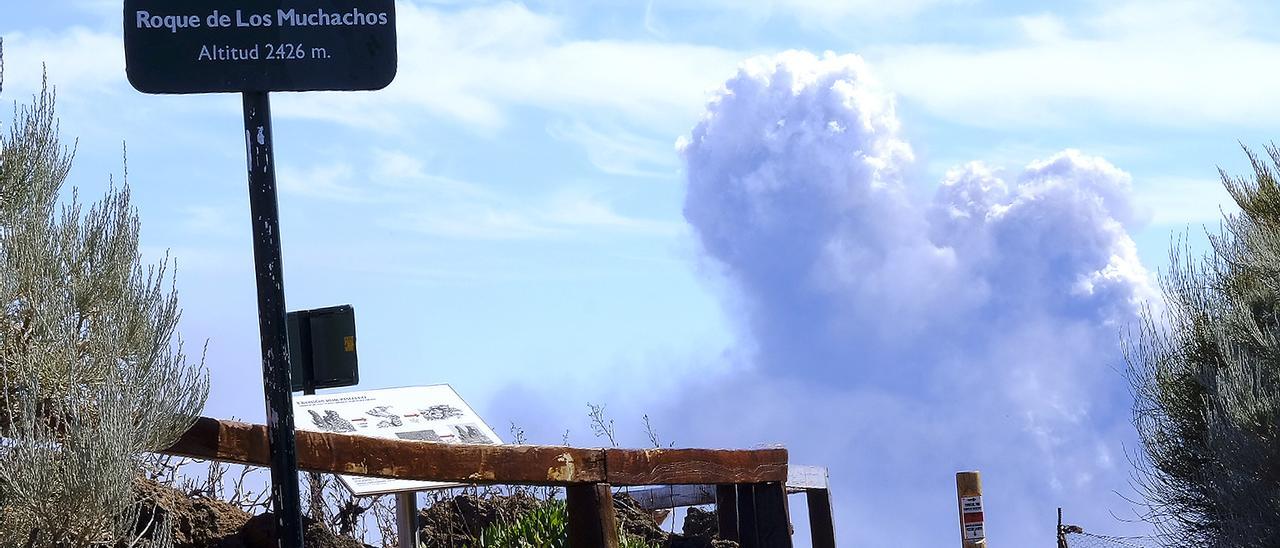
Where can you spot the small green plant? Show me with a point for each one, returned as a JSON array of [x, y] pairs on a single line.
[[628, 541], [545, 527]]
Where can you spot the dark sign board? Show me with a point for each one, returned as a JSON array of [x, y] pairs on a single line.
[[207, 46], [322, 344]]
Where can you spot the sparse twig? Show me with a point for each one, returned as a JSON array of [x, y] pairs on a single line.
[[652, 432], [601, 425]]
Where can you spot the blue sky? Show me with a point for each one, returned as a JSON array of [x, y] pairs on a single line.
[[514, 216]]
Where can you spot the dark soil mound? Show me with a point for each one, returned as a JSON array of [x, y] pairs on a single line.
[[700, 523], [197, 522], [205, 523], [701, 530], [260, 532], [636, 522], [459, 520]]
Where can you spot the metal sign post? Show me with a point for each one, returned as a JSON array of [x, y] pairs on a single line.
[[254, 47], [271, 318], [407, 519]]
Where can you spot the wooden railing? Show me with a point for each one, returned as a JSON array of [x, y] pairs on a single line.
[[755, 479], [810, 481]]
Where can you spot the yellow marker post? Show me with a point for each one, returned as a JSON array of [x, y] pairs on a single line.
[[973, 532]]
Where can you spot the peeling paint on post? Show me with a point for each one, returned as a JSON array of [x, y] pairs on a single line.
[[564, 472], [263, 209]]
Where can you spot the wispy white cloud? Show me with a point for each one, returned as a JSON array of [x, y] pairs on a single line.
[[331, 181], [563, 216], [619, 152], [473, 222], [397, 164], [1178, 63], [823, 14], [824, 11], [212, 221], [576, 209], [78, 59], [410, 199], [1184, 200], [473, 65]]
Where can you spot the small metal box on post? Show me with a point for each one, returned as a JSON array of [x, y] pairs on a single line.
[[973, 532], [322, 345]]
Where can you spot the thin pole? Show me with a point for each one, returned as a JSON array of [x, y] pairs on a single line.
[[407, 520], [1062, 535], [264, 211]]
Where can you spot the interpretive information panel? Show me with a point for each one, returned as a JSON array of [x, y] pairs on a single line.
[[208, 46], [424, 413]]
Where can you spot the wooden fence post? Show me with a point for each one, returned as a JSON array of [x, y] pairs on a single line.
[[748, 532], [821, 526], [592, 523], [773, 521], [969, 500], [727, 511]]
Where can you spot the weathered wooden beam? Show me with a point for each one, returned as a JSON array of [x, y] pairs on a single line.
[[773, 519], [484, 464], [592, 521], [403, 459], [727, 511], [801, 477], [694, 466], [821, 527]]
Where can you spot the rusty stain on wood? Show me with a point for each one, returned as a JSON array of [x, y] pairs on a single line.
[[490, 464]]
